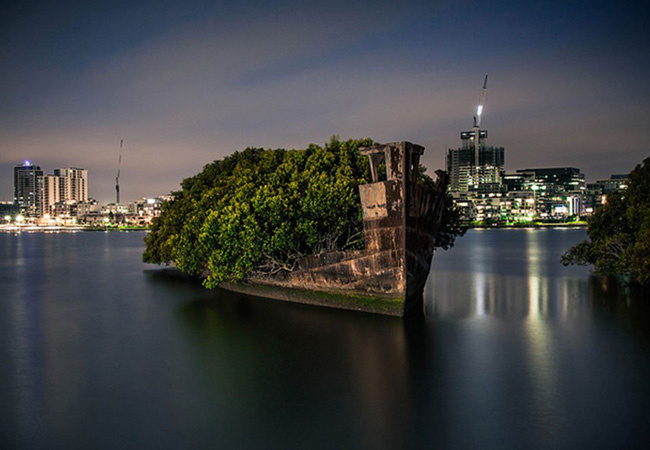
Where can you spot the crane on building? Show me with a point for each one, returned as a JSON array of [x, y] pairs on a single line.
[[117, 178], [481, 102], [477, 130]]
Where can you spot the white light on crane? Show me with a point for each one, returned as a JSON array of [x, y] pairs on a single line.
[[481, 102]]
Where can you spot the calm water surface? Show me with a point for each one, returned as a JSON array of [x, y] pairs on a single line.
[[101, 351]]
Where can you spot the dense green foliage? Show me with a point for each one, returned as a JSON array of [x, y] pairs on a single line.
[[259, 211], [619, 232]]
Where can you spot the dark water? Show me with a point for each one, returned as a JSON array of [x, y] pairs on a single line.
[[101, 351]]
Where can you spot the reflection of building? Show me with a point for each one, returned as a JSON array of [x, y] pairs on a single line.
[[27, 179], [465, 174]]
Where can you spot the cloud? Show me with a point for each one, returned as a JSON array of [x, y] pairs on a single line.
[[291, 75]]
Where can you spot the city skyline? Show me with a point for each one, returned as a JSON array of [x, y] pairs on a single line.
[[184, 85]]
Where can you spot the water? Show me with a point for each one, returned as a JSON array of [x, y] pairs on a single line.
[[101, 351]]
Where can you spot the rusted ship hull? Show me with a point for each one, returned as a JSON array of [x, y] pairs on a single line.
[[401, 219]]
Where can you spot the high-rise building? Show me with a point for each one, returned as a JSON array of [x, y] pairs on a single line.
[[475, 166], [73, 184], [464, 173], [50, 193], [27, 179], [61, 191]]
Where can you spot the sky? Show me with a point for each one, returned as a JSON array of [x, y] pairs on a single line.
[[185, 83]]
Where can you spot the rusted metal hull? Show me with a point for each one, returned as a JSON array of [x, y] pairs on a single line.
[[401, 220]]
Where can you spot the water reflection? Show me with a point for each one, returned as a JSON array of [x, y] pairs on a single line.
[[525, 314], [100, 351], [356, 379], [524, 282], [539, 337]]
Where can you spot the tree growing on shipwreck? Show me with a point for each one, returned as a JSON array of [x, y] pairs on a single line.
[[259, 211]]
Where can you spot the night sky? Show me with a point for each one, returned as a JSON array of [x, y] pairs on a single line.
[[184, 83]]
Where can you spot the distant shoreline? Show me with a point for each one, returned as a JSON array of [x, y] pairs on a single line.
[[75, 228], [64, 228], [532, 225]]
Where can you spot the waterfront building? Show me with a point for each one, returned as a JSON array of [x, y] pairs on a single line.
[[27, 179], [115, 212], [551, 180], [143, 211], [50, 194], [60, 192], [90, 212], [596, 193], [546, 180], [546, 194], [8, 211], [495, 207], [614, 183], [115, 208], [464, 172], [73, 184], [87, 208]]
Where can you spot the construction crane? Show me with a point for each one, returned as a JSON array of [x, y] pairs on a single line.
[[481, 102], [477, 131], [117, 178]]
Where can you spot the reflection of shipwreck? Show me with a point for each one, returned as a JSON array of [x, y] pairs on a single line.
[[401, 219]]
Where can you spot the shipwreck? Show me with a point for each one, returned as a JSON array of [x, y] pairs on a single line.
[[401, 219]]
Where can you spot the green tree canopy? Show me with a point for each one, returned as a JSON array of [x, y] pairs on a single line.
[[619, 232], [259, 211]]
